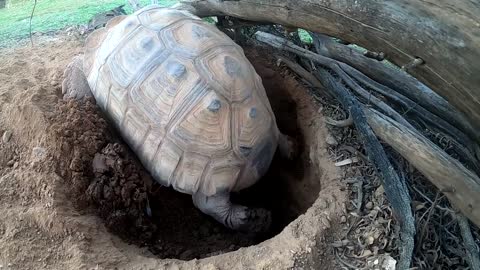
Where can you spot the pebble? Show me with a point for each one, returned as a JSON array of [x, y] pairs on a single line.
[[343, 219], [331, 140], [370, 240], [6, 136]]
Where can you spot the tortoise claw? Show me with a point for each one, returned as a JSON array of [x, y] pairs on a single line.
[[257, 220]]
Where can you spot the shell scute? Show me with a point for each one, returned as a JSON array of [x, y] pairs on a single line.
[[161, 94], [191, 38], [135, 56], [204, 130], [252, 123], [189, 173], [155, 20], [228, 72]]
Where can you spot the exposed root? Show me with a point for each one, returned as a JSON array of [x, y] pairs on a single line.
[[340, 123]]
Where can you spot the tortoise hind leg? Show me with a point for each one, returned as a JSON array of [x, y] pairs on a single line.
[[75, 85], [233, 216]]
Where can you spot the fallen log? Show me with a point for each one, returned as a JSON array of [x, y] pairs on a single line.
[[462, 145], [461, 186], [397, 80], [412, 105], [444, 34], [340, 70], [284, 44]]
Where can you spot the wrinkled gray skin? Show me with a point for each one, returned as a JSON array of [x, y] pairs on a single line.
[[218, 206]]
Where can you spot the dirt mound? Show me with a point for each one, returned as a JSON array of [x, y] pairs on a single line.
[[74, 195]]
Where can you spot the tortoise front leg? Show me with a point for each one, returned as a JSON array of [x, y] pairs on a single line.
[[233, 216], [75, 84]]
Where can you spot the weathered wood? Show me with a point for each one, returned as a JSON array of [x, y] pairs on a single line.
[[284, 44], [461, 186], [397, 80], [471, 249], [421, 152], [395, 189], [310, 78], [442, 170], [462, 144], [444, 33], [341, 68]]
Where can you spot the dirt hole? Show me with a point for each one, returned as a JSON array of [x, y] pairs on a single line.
[[123, 191]]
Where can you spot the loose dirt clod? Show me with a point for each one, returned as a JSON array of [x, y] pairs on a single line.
[[6, 136]]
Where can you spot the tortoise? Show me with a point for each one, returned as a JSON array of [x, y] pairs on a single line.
[[189, 104]]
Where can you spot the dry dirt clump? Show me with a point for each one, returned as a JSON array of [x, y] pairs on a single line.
[[98, 170], [73, 196], [119, 191]]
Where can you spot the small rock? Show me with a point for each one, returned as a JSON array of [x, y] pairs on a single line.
[[38, 154], [379, 191], [99, 163], [369, 205], [343, 219], [6, 136], [389, 263], [331, 140], [370, 240], [366, 253], [326, 222], [10, 163]]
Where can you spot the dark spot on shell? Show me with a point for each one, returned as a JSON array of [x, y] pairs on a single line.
[[232, 67], [175, 69], [129, 24], [199, 32], [253, 113], [214, 105], [146, 43], [245, 150]]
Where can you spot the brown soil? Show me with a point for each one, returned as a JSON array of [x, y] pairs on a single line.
[[60, 212]]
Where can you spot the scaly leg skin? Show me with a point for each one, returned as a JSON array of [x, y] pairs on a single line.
[[235, 217], [75, 85], [288, 146]]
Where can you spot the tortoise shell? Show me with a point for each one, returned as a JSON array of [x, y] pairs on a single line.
[[185, 98]]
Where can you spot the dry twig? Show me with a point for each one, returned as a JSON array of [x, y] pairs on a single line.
[[31, 17]]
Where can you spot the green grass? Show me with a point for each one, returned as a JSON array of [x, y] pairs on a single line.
[[304, 36], [52, 15]]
